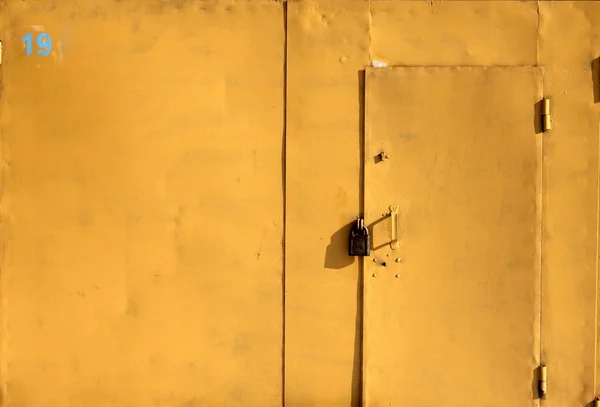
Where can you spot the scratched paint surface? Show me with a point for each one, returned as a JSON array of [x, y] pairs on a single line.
[[142, 205]]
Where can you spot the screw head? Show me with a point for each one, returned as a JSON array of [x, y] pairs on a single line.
[[398, 260], [374, 274], [374, 259], [397, 275]]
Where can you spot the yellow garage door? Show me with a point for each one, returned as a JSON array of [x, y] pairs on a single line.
[[452, 183], [142, 209]]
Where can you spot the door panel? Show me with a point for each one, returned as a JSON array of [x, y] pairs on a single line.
[[142, 205], [323, 287], [453, 314]]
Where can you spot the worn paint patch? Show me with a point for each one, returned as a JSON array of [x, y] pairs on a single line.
[[377, 63]]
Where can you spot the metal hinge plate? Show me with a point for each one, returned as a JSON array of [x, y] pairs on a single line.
[[546, 116], [543, 381]]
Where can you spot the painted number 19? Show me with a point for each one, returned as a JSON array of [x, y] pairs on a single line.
[[43, 41]]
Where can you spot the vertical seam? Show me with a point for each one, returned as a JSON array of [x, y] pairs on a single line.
[[595, 373], [362, 265], [542, 196], [284, 187]]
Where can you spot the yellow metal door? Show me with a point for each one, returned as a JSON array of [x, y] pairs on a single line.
[[452, 308], [142, 204]]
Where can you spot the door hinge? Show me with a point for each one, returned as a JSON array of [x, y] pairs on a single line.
[[546, 117], [543, 381]]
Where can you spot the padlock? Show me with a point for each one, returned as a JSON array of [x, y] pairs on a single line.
[[360, 241]]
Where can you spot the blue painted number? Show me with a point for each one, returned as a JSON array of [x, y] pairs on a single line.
[[43, 41], [27, 40]]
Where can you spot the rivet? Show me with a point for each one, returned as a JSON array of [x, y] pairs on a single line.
[[397, 275], [374, 274], [374, 259], [398, 260]]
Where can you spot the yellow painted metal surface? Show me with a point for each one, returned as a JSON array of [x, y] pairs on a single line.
[[454, 32], [569, 246], [144, 167], [570, 149], [142, 205], [452, 313], [327, 45]]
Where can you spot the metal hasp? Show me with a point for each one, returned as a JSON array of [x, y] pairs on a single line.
[[543, 382], [393, 214], [546, 118], [360, 241]]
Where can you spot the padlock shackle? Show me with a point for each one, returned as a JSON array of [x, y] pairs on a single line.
[[360, 228]]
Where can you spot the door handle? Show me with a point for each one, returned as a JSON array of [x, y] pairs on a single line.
[[394, 243]]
